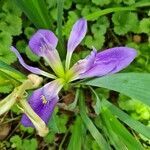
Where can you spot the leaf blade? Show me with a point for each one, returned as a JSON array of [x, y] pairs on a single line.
[[37, 12], [135, 125], [134, 85], [90, 126]]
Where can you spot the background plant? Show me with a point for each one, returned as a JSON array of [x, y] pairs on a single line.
[[112, 23]]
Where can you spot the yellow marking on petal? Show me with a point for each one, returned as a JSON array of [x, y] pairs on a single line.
[[44, 101]]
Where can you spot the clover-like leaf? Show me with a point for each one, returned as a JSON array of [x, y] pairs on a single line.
[[72, 17], [125, 22], [101, 2], [145, 25], [21, 46], [100, 26], [5, 39], [10, 8], [11, 24], [6, 55], [87, 9], [97, 40], [29, 31]]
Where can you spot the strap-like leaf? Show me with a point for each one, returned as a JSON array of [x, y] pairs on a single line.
[[90, 126], [116, 129], [135, 125], [36, 11], [135, 85], [9, 77]]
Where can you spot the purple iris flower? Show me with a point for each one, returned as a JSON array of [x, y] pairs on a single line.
[[43, 43]]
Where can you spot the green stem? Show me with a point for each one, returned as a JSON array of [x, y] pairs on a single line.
[[68, 60], [99, 13]]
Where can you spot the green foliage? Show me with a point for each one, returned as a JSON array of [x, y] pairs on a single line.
[[120, 138], [101, 25], [31, 55], [50, 138], [72, 17], [37, 12], [5, 86], [21, 46], [125, 22], [145, 25], [9, 78], [29, 31], [129, 2], [101, 2], [16, 142], [134, 85], [6, 55], [128, 120], [90, 125], [87, 9], [77, 135], [23, 144], [98, 30], [58, 123], [136, 109], [93, 123], [5, 38], [10, 8], [29, 130], [10, 25]]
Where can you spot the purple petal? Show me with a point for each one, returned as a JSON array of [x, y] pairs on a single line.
[[43, 102], [99, 70], [53, 59], [40, 38], [83, 65], [106, 62], [43, 43], [77, 34], [30, 68], [123, 56]]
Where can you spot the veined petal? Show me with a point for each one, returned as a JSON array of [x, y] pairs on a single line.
[[98, 70], [43, 43], [83, 65], [30, 68], [40, 37], [106, 62], [123, 56], [43, 101], [77, 34]]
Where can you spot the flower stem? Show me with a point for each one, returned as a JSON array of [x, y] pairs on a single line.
[[68, 60]]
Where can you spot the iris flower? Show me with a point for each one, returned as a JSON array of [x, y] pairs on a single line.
[[44, 42]]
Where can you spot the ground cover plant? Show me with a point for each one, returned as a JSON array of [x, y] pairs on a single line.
[[74, 74]]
